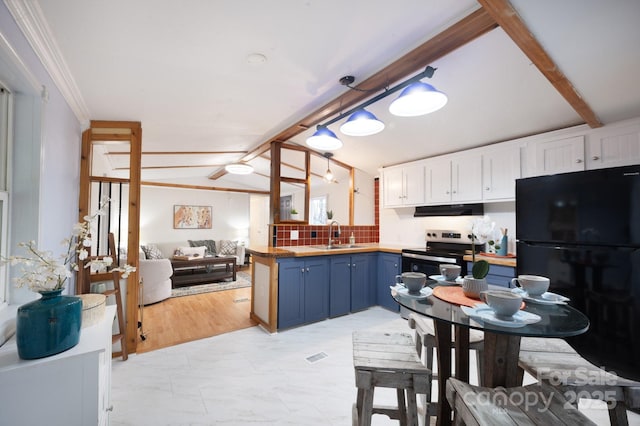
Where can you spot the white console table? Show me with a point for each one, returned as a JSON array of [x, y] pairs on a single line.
[[70, 388]]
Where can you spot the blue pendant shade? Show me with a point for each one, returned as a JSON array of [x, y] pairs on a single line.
[[417, 99], [324, 139], [362, 123]]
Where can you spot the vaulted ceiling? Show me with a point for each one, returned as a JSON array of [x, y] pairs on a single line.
[[189, 72]]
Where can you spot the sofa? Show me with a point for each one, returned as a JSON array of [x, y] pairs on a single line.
[[212, 248], [156, 280]]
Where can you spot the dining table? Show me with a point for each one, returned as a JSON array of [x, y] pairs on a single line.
[[501, 339]]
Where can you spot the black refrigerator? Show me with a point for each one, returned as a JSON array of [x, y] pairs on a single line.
[[582, 230]]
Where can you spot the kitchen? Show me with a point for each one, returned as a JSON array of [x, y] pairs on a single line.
[[409, 226], [398, 224]]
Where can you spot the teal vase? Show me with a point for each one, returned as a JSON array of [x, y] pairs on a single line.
[[504, 246], [48, 325]]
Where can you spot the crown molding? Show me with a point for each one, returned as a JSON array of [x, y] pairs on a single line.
[[33, 25], [27, 77]]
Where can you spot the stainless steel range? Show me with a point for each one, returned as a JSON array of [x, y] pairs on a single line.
[[442, 246]]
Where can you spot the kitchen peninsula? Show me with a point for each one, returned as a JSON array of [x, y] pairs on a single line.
[[295, 285]]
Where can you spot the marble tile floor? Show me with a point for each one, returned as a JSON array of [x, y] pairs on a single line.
[[249, 377]]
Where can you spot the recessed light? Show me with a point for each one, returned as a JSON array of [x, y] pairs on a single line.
[[256, 58]]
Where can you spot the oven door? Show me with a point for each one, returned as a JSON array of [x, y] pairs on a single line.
[[427, 264]]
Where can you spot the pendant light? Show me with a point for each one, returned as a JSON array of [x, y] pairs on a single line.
[[362, 123], [417, 99], [324, 139], [328, 175], [239, 168]]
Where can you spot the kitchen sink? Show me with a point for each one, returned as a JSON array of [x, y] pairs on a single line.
[[336, 246]]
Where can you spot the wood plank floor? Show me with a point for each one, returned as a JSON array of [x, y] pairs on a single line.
[[187, 318]]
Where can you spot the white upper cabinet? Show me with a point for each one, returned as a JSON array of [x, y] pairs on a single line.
[[489, 173], [403, 185], [613, 146], [466, 177], [500, 169], [455, 178], [438, 181], [559, 156]]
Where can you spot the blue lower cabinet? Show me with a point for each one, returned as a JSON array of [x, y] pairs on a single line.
[[498, 274], [340, 286], [389, 265], [303, 291], [352, 286], [362, 281]]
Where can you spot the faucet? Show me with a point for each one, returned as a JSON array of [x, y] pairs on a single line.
[[330, 244]]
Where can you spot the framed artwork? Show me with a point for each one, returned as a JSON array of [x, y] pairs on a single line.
[[191, 217]]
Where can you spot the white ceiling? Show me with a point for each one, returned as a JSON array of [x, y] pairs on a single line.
[[182, 70]]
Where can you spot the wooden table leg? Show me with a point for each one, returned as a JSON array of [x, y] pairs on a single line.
[[443, 347], [462, 353], [501, 353]]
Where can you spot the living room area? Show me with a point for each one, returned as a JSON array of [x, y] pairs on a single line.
[[193, 305]]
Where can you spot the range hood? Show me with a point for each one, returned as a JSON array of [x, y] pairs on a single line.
[[450, 210]]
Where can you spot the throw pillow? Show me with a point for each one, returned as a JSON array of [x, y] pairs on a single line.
[[152, 251], [228, 248], [209, 244]]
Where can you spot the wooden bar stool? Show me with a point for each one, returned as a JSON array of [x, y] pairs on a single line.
[[555, 362], [537, 404], [388, 360], [425, 341], [425, 337]]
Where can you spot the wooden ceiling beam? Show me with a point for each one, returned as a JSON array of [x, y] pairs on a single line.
[[172, 167], [179, 152], [507, 17], [467, 29], [201, 187]]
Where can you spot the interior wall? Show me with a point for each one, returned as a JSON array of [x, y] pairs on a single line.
[[46, 151], [259, 220], [230, 215], [398, 226], [363, 199]]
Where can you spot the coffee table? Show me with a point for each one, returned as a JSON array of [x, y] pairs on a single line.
[[202, 271]]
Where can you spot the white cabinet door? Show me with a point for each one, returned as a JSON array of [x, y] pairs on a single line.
[[404, 186], [614, 147], [439, 190], [414, 185], [500, 169], [466, 178], [393, 187], [559, 156]]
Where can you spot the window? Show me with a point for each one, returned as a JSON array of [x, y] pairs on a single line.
[[318, 210], [5, 105]]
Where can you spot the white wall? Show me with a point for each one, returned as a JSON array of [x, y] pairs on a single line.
[[259, 220], [46, 156], [398, 226], [364, 199], [230, 213]]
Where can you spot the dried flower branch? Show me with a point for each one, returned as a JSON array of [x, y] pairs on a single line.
[[42, 271]]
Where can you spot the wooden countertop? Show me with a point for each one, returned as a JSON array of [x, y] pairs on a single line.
[[503, 261], [304, 251]]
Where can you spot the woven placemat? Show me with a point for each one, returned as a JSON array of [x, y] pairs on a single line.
[[454, 294]]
